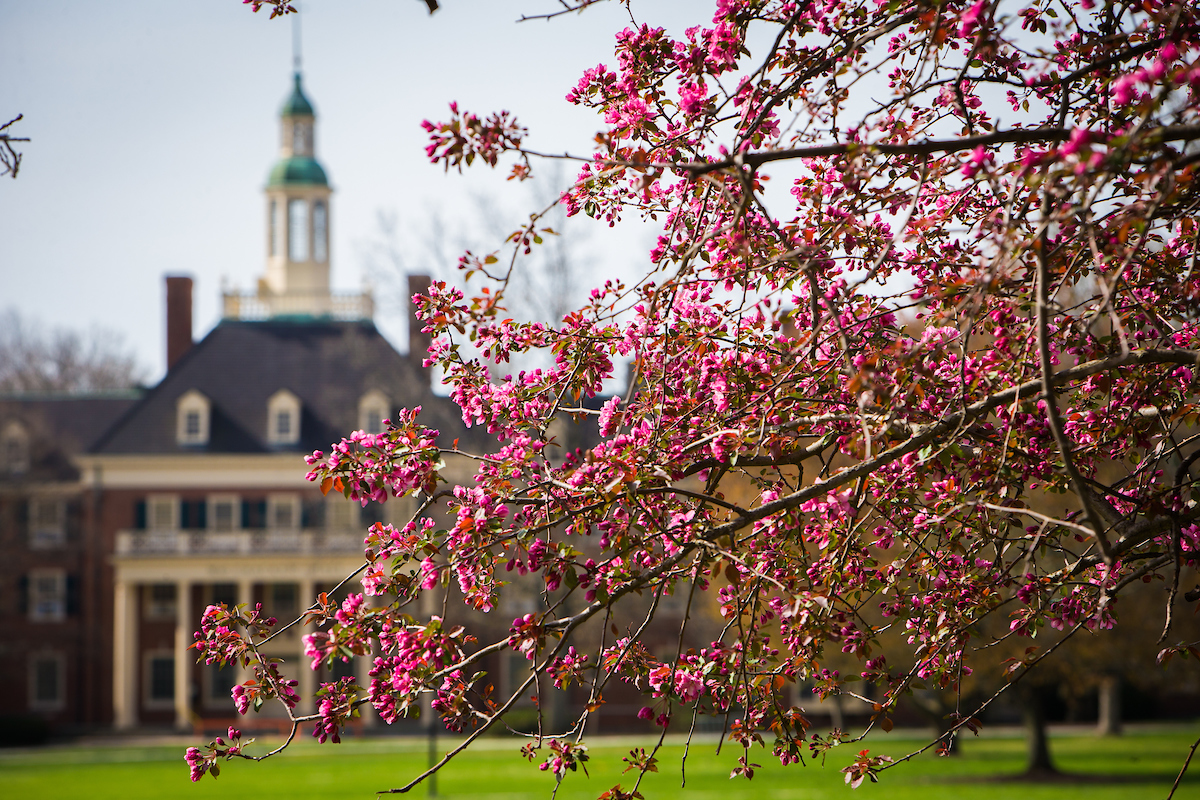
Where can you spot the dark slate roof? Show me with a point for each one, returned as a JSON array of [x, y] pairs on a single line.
[[61, 426], [329, 365]]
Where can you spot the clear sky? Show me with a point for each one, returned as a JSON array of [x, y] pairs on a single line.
[[153, 125]]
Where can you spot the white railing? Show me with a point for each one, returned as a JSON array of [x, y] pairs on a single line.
[[250, 306], [245, 542]]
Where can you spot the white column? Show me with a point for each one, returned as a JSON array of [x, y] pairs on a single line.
[[125, 649], [185, 626], [245, 595], [246, 592], [305, 677]]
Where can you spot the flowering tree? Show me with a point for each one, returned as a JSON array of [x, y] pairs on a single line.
[[939, 372]]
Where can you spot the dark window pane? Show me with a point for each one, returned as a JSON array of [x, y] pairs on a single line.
[[227, 593], [221, 681], [343, 669], [46, 680], [162, 678]]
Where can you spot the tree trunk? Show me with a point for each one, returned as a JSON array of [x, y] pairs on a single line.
[[1033, 715], [1109, 723]]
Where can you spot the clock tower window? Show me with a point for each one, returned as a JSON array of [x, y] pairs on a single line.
[[297, 230], [320, 232]]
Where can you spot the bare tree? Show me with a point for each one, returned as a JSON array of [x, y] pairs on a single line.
[[10, 158], [34, 359]]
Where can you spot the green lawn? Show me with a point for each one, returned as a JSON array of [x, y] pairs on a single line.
[[1143, 764]]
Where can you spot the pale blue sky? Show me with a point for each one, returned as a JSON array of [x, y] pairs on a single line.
[[153, 126]]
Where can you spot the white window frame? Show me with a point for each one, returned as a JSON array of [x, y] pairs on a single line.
[[299, 230], [275, 502], [156, 501], [192, 402], [373, 409], [283, 402], [47, 534], [14, 448], [235, 502], [53, 606], [149, 701], [341, 514], [60, 690]]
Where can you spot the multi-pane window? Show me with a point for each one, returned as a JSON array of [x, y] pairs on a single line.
[[48, 528], [283, 512], [160, 680], [283, 418], [298, 229], [192, 409], [340, 513], [162, 513], [224, 513], [372, 410], [226, 593], [283, 599], [47, 595], [160, 601], [46, 682]]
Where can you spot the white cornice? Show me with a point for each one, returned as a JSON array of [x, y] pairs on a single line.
[[200, 470]]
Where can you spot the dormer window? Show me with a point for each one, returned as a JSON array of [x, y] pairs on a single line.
[[14, 449], [372, 411], [283, 418], [192, 418]]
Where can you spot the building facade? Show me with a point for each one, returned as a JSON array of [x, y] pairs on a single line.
[[125, 517], [53, 646]]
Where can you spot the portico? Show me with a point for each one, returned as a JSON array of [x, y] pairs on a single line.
[[167, 582]]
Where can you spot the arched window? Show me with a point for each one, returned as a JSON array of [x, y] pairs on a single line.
[[297, 229], [283, 418], [301, 143], [192, 413], [320, 232], [275, 225], [14, 449], [372, 411]]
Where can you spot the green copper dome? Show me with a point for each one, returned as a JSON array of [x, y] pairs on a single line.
[[297, 170], [297, 105]]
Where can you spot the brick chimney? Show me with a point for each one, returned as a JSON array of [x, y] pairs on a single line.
[[179, 318], [418, 341]]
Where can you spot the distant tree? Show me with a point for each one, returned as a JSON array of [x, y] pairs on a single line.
[[544, 282], [60, 360], [1018, 178]]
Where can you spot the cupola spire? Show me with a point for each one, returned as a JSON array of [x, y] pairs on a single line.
[[296, 283]]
